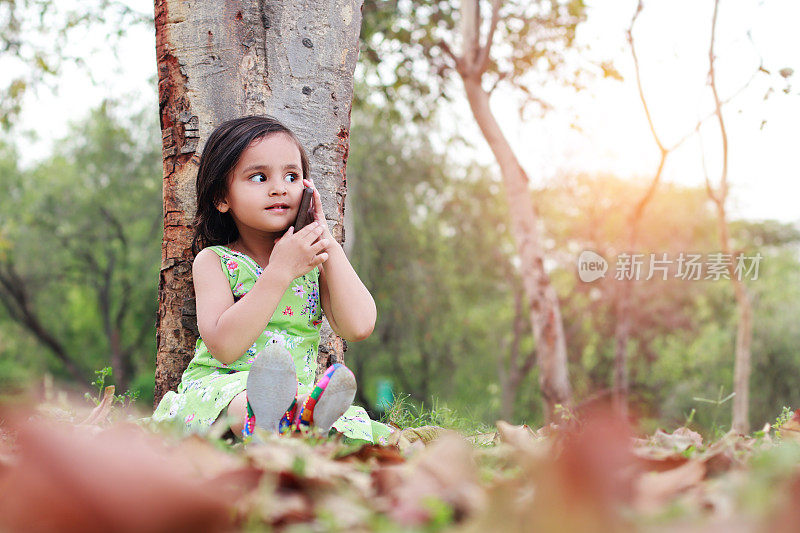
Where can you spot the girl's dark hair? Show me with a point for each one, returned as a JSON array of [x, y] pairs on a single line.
[[222, 151]]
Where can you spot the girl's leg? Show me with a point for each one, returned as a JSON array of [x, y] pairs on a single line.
[[238, 409], [340, 397], [301, 400]]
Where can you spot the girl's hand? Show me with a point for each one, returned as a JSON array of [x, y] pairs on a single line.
[[296, 254], [319, 214]]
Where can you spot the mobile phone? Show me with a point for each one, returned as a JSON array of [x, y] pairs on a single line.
[[305, 215]]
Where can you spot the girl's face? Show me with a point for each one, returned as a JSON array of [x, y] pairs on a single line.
[[265, 186]]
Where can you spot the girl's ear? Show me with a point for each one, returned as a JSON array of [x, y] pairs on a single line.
[[222, 207]]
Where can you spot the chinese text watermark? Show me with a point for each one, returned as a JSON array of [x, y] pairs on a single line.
[[684, 266]]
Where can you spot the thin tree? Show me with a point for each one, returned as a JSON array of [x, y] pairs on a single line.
[[410, 62], [719, 195], [545, 314], [622, 328], [219, 61]]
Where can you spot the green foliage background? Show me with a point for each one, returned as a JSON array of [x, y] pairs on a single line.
[[430, 240], [84, 220]]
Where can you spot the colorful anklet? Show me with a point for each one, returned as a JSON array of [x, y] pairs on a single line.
[[249, 422], [287, 421], [306, 416]]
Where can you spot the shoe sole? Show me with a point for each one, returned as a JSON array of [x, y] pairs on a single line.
[[335, 400], [271, 385]]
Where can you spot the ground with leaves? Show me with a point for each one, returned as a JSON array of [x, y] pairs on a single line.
[[65, 468]]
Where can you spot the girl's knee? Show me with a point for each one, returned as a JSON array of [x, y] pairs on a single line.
[[237, 410], [238, 404]]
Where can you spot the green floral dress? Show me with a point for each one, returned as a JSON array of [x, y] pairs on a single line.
[[208, 385]]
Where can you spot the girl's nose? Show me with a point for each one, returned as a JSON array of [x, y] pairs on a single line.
[[278, 189]]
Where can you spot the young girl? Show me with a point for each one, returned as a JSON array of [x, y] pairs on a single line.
[[261, 289]]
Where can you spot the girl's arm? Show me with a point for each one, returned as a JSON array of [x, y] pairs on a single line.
[[228, 329], [346, 301]]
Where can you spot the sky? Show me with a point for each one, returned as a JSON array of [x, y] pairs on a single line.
[[672, 39]]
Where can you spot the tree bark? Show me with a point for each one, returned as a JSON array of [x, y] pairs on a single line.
[[218, 61]]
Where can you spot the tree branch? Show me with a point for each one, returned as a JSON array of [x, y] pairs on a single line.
[[709, 187], [458, 63], [723, 180], [639, 78], [713, 113], [485, 50], [25, 316], [115, 224]]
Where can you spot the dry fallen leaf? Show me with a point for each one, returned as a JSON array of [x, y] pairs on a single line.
[[519, 436], [206, 460], [658, 459], [790, 430], [445, 471], [786, 518], [411, 440], [374, 452], [521, 444], [66, 479], [100, 413], [723, 455], [681, 439], [424, 434], [654, 489], [484, 439], [509, 507], [579, 483], [586, 475]]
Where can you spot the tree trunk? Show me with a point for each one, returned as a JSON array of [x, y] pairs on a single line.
[[741, 368], [744, 332], [545, 314], [744, 335], [551, 349], [218, 61]]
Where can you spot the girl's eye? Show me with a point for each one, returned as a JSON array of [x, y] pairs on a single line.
[[261, 178]]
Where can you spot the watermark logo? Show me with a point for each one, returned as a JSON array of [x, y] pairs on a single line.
[[591, 266], [684, 266]]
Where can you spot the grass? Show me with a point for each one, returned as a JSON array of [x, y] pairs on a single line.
[[125, 399], [406, 413], [716, 431]]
